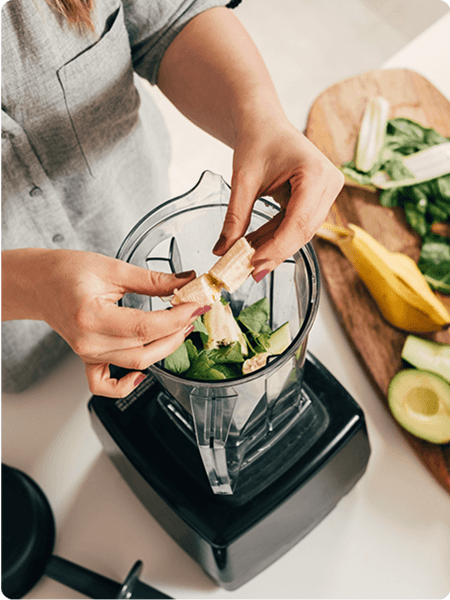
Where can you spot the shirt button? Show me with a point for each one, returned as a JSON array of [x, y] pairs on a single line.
[[36, 191], [6, 135], [57, 238]]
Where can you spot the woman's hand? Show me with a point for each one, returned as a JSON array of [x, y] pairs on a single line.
[[274, 159], [214, 74], [76, 293]]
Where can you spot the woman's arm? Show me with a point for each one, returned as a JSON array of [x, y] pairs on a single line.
[[214, 74]]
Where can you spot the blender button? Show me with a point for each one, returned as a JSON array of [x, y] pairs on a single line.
[[58, 238], [36, 191]]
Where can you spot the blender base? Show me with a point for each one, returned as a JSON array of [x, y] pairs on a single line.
[[234, 541]]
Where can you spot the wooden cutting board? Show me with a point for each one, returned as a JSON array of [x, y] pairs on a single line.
[[333, 125]]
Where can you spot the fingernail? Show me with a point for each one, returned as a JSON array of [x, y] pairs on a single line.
[[220, 242], [139, 379], [184, 274], [260, 275], [188, 330], [200, 311]]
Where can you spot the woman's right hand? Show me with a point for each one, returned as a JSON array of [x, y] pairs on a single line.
[[76, 292]]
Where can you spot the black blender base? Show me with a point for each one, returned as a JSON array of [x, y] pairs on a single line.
[[235, 542]]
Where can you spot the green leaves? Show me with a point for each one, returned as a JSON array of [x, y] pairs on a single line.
[[178, 361], [255, 316], [424, 203], [434, 262], [194, 361]]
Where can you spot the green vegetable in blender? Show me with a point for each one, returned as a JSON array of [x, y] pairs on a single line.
[[223, 347]]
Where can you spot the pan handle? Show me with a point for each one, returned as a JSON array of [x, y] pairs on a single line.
[[94, 585]]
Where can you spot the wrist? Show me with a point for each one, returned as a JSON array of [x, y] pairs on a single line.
[[22, 271], [256, 115]]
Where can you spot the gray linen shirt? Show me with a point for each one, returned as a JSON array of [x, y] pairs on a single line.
[[85, 151]]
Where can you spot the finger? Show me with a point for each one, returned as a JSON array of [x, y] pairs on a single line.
[[264, 233], [305, 213], [131, 278], [139, 358], [140, 326], [102, 384], [244, 191]]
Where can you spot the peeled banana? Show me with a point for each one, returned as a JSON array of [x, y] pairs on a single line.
[[222, 328], [393, 279], [233, 268], [204, 290], [229, 272]]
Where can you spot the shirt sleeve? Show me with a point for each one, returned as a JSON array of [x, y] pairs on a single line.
[[152, 26]]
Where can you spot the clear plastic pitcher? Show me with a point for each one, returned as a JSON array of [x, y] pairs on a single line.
[[236, 420]]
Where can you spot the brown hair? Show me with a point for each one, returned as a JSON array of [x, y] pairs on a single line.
[[76, 12]]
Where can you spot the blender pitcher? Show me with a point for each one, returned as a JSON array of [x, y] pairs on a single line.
[[233, 422]]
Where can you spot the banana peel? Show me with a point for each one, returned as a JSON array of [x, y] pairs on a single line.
[[393, 279]]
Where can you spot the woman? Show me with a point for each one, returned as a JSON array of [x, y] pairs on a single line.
[[85, 155]]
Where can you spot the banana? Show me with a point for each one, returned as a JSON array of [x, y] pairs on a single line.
[[233, 268], [222, 328], [229, 272], [255, 363], [393, 279], [204, 289]]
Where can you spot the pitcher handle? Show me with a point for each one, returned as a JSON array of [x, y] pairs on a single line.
[[212, 420]]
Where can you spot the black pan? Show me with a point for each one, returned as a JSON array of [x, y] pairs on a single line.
[[28, 536]]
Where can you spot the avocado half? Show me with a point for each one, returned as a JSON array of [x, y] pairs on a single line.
[[420, 401]]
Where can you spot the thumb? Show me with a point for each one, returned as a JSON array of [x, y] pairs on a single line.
[[244, 191], [152, 283]]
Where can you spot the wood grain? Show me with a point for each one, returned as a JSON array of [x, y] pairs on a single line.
[[333, 125]]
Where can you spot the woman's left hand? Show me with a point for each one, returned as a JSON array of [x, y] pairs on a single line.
[[277, 160]]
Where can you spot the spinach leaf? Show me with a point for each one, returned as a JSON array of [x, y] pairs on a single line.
[[434, 262], [357, 176], [227, 370], [389, 197], [200, 328], [437, 214], [204, 369], [416, 219], [405, 129], [435, 249], [443, 184], [191, 350], [178, 362], [226, 354], [438, 276], [396, 169], [255, 316]]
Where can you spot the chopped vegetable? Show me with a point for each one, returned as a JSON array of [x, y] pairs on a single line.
[[371, 135], [420, 402], [222, 347], [409, 145], [428, 355]]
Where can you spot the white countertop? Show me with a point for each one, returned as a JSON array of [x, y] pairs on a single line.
[[388, 538]]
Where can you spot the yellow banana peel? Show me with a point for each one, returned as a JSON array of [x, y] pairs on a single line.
[[393, 279]]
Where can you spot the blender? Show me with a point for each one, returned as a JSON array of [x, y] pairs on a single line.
[[236, 470]]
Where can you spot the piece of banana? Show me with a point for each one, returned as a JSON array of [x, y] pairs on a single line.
[[233, 268], [204, 289], [393, 279], [229, 272], [255, 363], [222, 328]]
